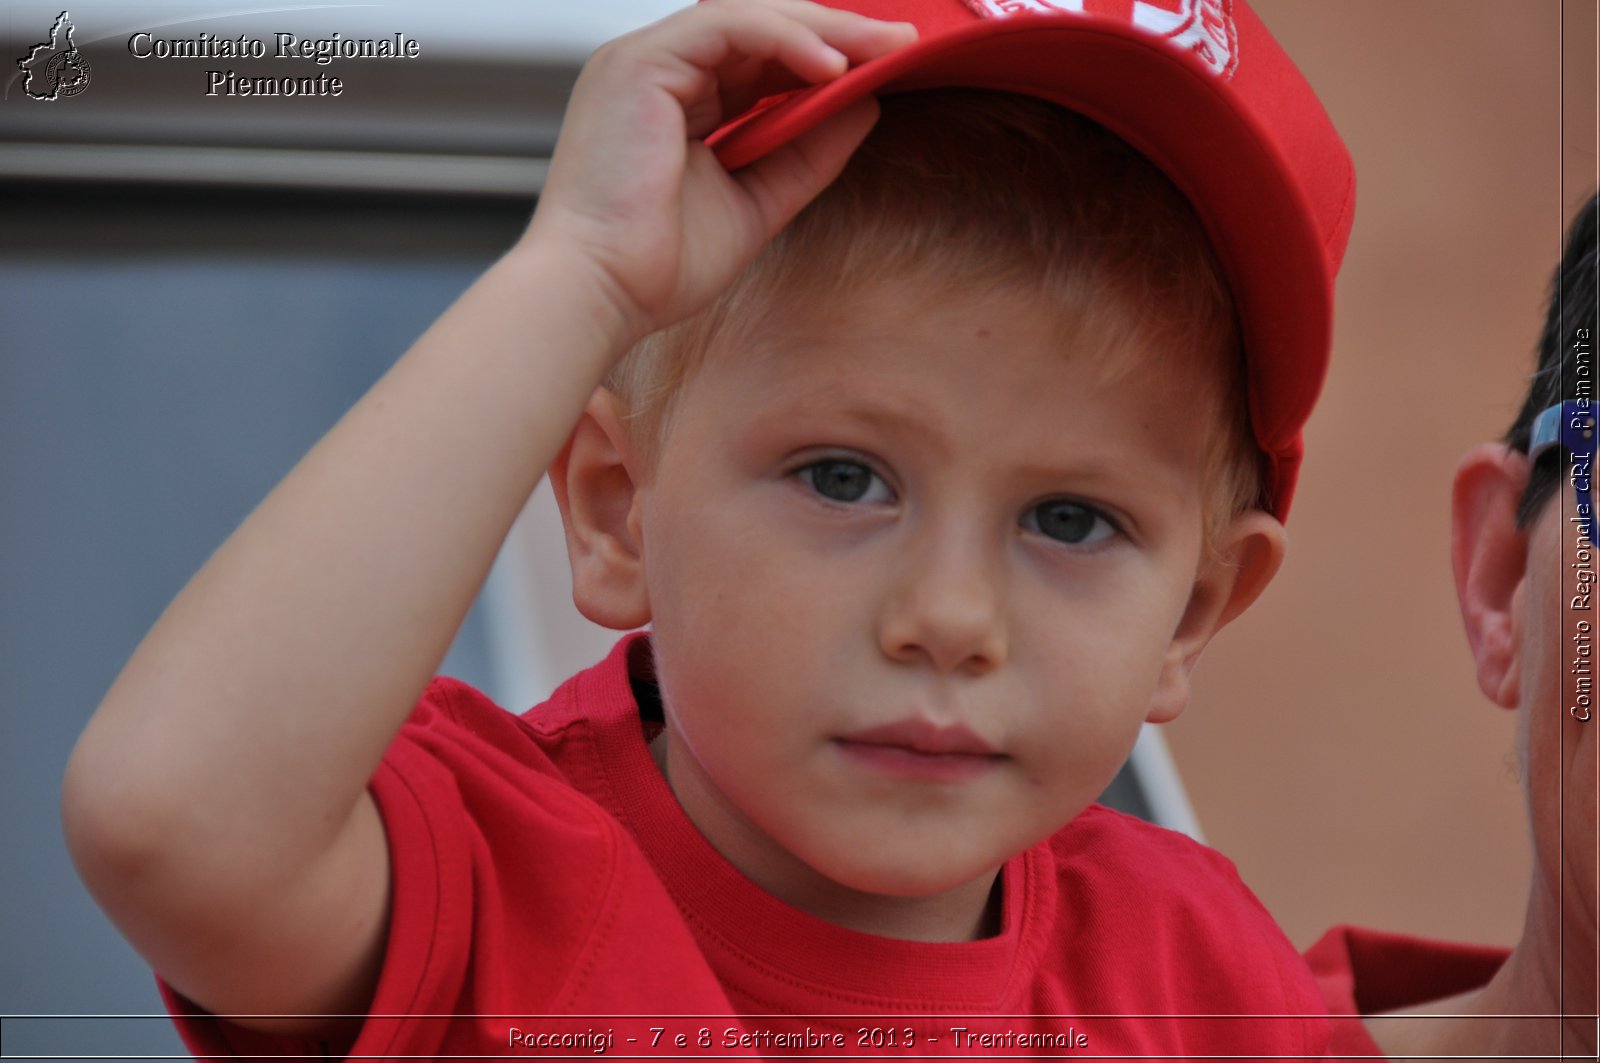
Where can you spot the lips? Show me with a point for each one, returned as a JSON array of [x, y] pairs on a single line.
[[921, 736], [917, 748]]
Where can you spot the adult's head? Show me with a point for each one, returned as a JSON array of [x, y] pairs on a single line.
[[1525, 572]]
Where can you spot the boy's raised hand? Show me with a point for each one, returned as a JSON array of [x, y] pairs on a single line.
[[634, 191]]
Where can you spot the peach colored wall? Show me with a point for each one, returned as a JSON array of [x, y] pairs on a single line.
[[1338, 748]]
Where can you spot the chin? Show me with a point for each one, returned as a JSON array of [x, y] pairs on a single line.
[[892, 873]]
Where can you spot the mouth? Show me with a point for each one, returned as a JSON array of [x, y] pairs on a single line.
[[916, 748]]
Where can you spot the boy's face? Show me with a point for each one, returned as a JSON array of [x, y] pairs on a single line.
[[916, 577]]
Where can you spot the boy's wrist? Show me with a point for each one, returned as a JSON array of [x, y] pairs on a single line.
[[583, 288]]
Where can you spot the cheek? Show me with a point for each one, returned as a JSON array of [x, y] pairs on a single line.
[[1092, 675], [730, 610], [736, 569], [1106, 647]]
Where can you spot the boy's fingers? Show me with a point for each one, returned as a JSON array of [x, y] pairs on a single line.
[[782, 183], [857, 37], [752, 42], [747, 80], [720, 56], [742, 86]]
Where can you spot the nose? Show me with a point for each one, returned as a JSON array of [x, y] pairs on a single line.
[[945, 606]]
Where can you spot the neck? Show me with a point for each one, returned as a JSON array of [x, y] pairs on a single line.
[[1549, 977], [1552, 971], [968, 913]]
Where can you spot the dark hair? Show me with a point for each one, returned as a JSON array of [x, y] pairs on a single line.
[[1566, 352]]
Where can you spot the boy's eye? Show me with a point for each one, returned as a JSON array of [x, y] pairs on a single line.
[[1068, 522], [845, 481]]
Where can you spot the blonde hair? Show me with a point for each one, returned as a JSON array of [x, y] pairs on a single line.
[[974, 191]]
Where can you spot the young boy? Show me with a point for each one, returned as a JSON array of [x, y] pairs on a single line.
[[929, 505]]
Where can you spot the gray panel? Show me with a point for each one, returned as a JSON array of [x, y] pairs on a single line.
[[163, 362]]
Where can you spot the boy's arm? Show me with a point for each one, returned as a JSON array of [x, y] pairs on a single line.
[[216, 804]]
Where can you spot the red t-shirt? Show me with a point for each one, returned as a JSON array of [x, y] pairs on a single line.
[[1364, 972], [550, 896]]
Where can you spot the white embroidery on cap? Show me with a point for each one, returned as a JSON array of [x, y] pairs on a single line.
[[1204, 27]]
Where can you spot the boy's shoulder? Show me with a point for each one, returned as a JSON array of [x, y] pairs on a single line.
[[601, 696], [1157, 881], [462, 758], [1107, 837], [1127, 887]]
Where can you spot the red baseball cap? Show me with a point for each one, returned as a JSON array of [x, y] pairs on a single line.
[[1203, 91]]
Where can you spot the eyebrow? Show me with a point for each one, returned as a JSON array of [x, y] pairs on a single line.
[[901, 416], [898, 414]]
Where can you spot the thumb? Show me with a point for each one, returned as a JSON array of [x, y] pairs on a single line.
[[781, 183]]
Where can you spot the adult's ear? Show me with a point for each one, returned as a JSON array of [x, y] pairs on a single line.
[[595, 479], [1489, 556], [1233, 572]]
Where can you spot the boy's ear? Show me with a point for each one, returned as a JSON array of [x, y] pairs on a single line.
[[1233, 573], [595, 479], [1489, 556]]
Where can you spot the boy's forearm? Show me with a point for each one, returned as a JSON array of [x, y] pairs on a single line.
[[278, 676]]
